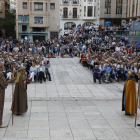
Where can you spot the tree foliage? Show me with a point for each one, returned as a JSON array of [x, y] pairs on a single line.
[[8, 24]]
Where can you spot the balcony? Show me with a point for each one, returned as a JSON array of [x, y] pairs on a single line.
[[127, 33], [70, 17], [65, 2], [38, 22], [72, 2], [75, 2], [23, 19], [90, 1]]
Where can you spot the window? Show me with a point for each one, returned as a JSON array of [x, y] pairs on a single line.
[[24, 5], [74, 12], [107, 10], [24, 28], [90, 11], [94, 11], [118, 6], [137, 8], [69, 25], [84, 11], [23, 18], [107, 6], [133, 8], [38, 20], [38, 6], [107, 2], [119, 3], [75, 1], [52, 5], [90, 0], [46, 6], [65, 12], [65, 1]]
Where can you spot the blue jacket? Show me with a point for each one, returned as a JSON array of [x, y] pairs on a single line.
[[35, 69], [95, 74], [107, 70]]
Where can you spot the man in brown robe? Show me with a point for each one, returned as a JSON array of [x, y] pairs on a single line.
[[3, 86], [19, 105]]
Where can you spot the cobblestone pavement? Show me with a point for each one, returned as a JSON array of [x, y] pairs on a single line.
[[71, 107]]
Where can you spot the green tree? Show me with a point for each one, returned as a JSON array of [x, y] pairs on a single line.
[[8, 24]]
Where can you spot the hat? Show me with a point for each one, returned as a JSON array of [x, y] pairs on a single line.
[[21, 69], [132, 73]]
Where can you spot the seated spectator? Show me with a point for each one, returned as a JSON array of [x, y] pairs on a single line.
[[114, 72], [92, 63], [107, 71], [9, 72], [33, 72], [96, 74], [41, 72], [46, 65]]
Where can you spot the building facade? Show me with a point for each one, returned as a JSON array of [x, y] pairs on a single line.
[[37, 19], [2, 8], [78, 12], [133, 10], [115, 12]]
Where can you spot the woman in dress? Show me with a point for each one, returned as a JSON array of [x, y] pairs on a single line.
[[129, 103]]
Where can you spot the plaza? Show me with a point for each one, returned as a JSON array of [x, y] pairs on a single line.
[[70, 107]]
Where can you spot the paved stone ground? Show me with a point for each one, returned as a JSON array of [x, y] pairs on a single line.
[[71, 107], [70, 79]]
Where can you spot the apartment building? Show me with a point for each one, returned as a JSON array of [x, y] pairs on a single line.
[[78, 12], [37, 19], [2, 9], [118, 11]]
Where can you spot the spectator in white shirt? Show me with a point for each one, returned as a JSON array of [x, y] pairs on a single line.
[[41, 72]]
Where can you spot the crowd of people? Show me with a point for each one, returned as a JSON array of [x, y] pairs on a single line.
[[110, 58], [111, 54]]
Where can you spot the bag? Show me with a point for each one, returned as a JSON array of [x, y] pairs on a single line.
[[27, 82]]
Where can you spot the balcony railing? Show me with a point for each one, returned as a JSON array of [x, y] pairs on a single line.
[[90, 1], [68, 2], [70, 16], [123, 32], [65, 1], [75, 1], [23, 21], [38, 22]]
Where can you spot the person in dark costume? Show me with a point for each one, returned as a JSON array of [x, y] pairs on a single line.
[[19, 104], [3, 86]]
